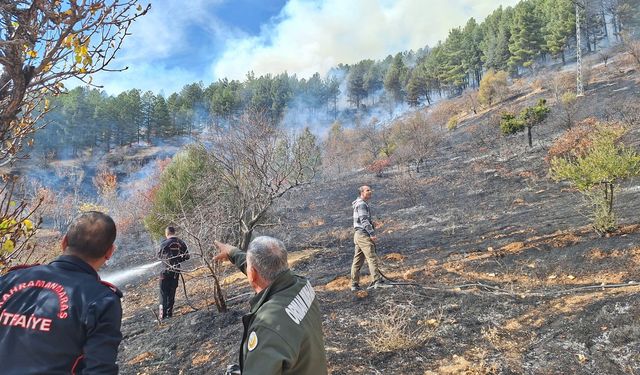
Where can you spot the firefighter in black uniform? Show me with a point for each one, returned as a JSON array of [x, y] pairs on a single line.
[[173, 251], [60, 318]]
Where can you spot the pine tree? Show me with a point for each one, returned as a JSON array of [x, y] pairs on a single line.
[[160, 117], [526, 43], [472, 54], [417, 87], [355, 85], [395, 78], [455, 76], [561, 26], [496, 31]]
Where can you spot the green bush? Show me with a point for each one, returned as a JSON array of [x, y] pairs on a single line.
[[452, 124], [175, 192]]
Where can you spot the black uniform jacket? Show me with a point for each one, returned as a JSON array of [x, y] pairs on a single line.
[[58, 319], [173, 251]]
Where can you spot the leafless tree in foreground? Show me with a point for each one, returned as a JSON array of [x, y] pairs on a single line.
[[43, 43]]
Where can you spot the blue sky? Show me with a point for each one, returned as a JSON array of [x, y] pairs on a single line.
[[181, 42]]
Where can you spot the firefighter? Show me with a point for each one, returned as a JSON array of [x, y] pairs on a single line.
[[60, 318], [173, 251]]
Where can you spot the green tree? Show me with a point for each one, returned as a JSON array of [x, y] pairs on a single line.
[[333, 92], [533, 116], [160, 117], [527, 119], [417, 87], [527, 39], [355, 85], [433, 71], [596, 171], [472, 53], [455, 75], [148, 124], [226, 100], [373, 79], [106, 116], [128, 116], [281, 93], [560, 26], [177, 189], [315, 95], [496, 31], [394, 79]]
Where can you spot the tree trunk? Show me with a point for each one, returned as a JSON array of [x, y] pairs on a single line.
[[529, 136], [218, 296], [245, 238], [610, 201]]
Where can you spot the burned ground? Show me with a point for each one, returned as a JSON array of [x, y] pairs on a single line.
[[503, 273]]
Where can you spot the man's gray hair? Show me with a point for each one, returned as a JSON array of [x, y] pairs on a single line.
[[268, 256]]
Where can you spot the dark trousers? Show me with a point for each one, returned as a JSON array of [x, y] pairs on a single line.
[[168, 286]]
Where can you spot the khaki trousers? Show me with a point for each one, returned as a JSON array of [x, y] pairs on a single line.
[[364, 248]]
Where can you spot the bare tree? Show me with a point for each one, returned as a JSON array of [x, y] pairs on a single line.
[[201, 226], [256, 163], [338, 151], [416, 139], [42, 44], [632, 47]]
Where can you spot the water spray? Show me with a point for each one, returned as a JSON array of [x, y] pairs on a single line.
[[123, 276]]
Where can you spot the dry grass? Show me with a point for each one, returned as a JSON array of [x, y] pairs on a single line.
[[514, 247], [312, 223], [401, 327], [476, 364], [204, 355], [142, 357], [394, 257]]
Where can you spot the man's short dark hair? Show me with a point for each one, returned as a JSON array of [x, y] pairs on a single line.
[[91, 234], [170, 230]]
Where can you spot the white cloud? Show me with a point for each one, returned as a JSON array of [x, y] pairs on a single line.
[[164, 31], [160, 38], [313, 36]]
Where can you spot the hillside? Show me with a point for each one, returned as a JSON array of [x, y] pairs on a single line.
[[503, 273]]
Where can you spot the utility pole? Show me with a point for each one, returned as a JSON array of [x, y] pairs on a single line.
[[579, 86]]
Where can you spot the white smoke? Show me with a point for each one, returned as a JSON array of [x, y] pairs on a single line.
[[314, 36]]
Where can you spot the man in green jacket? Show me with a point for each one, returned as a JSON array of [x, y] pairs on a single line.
[[283, 330]]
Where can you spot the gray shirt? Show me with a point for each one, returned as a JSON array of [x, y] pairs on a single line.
[[362, 216]]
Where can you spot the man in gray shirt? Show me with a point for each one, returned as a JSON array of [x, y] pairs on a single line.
[[364, 238]]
